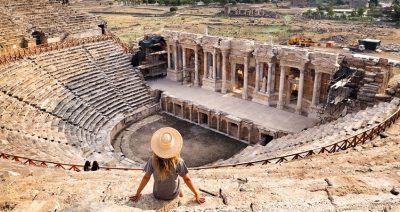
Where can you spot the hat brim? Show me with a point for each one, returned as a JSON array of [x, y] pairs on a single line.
[[171, 152]]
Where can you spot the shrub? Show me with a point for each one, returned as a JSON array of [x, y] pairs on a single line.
[[173, 9]]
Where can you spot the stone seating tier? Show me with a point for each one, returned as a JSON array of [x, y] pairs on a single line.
[[71, 98], [49, 18], [318, 136]]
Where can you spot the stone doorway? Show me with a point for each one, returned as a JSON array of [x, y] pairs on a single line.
[[39, 37], [265, 139], [239, 77], [103, 28], [203, 119], [188, 73], [293, 87]]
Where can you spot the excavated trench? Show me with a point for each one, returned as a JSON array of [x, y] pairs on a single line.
[[200, 146]]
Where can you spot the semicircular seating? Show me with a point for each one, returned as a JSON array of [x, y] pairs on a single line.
[[63, 104]]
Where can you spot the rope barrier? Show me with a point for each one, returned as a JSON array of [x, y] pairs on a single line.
[[344, 144]]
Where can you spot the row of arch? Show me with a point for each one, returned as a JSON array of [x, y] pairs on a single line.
[[239, 129]]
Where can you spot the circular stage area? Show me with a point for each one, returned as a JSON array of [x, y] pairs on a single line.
[[200, 146]]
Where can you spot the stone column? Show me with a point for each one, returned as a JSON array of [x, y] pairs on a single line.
[[196, 66], [227, 127], [273, 79], [205, 64], [269, 83], [169, 56], [182, 111], [264, 83], [233, 75], [238, 132], [300, 94], [190, 113], [257, 83], [176, 56], [224, 56], [281, 87], [245, 76], [183, 58], [218, 120], [316, 89], [214, 67], [218, 69]]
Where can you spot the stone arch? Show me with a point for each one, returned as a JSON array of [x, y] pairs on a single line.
[[214, 122], [195, 117], [245, 134], [186, 113], [203, 119], [39, 37], [265, 139], [178, 110], [224, 126], [170, 107], [103, 26], [233, 129]]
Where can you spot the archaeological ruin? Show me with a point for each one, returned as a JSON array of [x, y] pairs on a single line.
[[72, 91]]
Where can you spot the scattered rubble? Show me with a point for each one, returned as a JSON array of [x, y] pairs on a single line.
[[391, 47]]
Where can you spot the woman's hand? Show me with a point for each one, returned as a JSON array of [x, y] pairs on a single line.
[[200, 199], [135, 198]]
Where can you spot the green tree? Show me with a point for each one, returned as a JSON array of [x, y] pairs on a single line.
[[330, 11], [361, 11], [373, 3], [340, 2], [396, 12]]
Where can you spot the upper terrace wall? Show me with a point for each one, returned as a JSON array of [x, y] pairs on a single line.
[[249, 10], [289, 78], [28, 23]]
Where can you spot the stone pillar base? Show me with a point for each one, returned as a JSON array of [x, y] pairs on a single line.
[[212, 85], [264, 98], [173, 75]]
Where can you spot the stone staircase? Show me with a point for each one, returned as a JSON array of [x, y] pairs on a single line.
[[364, 178]]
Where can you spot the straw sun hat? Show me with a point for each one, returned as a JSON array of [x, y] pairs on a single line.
[[166, 142]]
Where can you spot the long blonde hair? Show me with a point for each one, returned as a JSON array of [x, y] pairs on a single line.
[[165, 167]]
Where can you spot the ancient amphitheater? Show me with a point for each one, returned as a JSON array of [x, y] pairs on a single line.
[[319, 130]]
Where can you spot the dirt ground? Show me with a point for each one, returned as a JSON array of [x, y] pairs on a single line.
[[208, 145]]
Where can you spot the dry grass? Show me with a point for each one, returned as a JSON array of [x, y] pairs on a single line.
[[132, 28]]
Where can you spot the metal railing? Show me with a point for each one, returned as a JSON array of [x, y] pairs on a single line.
[[344, 144]]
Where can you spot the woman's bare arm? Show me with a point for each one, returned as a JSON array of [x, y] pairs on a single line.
[[142, 184], [189, 183]]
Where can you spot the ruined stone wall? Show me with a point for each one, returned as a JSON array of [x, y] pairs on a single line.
[[358, 3], [250, 11], [301, 3], [370, 81]]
